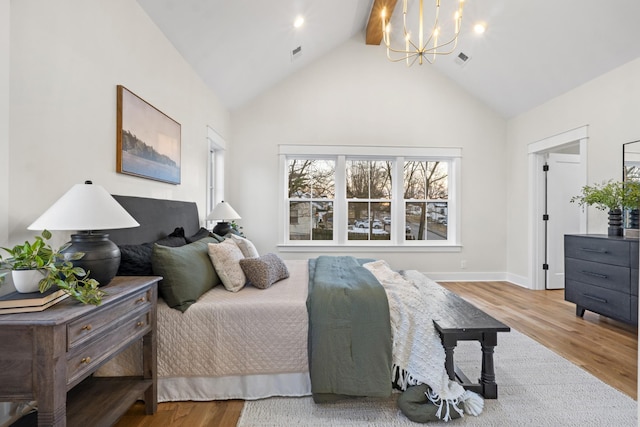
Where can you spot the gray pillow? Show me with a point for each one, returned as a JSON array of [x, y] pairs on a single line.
[[186, 272], [264, 271]]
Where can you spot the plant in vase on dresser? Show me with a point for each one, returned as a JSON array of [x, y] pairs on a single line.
[[36, 266], [613, 196]]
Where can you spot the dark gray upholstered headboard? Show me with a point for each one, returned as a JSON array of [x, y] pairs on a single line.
[[157, 218]]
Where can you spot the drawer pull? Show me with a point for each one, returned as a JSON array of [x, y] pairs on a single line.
[[602, 300], [598, 251], [141, 299], [86, 327], [591, 273], [140, 324], [85, 360]]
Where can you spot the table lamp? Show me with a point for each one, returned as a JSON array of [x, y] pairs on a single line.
[[222, 212], [89, 209]]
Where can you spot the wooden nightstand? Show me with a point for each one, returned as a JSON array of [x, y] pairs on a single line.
[[50, 356]]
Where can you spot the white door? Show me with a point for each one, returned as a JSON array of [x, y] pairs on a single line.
[[563, 182]]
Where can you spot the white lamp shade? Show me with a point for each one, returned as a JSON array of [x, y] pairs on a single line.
[[85, 207], [223, 212]]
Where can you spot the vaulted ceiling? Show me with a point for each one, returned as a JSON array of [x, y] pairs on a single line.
[[532, 51]]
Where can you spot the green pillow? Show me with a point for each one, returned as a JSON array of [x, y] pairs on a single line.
[[186, 272]]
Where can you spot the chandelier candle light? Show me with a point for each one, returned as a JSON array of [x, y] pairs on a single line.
[[427, 50]]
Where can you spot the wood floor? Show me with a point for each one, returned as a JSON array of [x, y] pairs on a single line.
[[605, 348]]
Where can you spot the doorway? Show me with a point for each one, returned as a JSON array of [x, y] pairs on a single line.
[[557, 171]]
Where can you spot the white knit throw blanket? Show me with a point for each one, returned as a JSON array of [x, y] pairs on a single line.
[[418, 355]]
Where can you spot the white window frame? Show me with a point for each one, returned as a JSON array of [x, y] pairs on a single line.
[[397, 241], [215, 169]]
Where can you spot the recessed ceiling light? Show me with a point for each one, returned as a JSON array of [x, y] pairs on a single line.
[[298, 21], [480, 28]]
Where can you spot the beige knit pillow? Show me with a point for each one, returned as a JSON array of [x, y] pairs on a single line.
[[246, 246], [225, 257]]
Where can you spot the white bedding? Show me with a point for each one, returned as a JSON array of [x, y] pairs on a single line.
[[248, 345]]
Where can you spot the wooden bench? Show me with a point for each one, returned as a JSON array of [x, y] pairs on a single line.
[[466, 322]]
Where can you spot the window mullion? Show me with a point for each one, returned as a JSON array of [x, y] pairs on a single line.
[[340, 202], [397, 216]]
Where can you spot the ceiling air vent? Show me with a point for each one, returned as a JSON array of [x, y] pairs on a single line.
[[296, 53], [462, 58]]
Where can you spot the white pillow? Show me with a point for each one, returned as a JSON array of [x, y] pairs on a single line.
[[246, 246], [225, 257]]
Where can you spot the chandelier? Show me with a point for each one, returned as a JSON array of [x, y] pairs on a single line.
[[428, 45]]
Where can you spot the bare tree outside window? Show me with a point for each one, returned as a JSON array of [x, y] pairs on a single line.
[[426, 193], [311, 193], [368, 188]]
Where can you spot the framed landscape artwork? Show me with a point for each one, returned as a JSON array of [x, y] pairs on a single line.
[[148, 141]]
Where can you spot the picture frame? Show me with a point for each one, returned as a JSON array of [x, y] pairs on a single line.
[[148, 141]]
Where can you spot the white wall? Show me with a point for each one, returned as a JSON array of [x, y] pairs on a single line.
[[610, 106], [354, 96], [5, 25], [67, 56]]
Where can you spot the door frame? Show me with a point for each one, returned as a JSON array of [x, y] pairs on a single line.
[[537, 156]]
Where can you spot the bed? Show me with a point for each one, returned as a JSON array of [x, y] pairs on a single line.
[[331, 327], [221, 347]]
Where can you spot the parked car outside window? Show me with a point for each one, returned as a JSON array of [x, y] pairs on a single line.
[[364, 223]]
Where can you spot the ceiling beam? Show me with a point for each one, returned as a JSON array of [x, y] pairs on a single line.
[[374, 26]]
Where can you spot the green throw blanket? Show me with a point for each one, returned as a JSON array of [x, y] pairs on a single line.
[[349, 330]]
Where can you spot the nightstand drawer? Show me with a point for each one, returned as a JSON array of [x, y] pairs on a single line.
[[86, 327], [603, 275], [600, 300], [86, 359], [615, 252]]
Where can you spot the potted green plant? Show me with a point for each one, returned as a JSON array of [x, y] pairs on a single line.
[[48, 267], [612, 196]]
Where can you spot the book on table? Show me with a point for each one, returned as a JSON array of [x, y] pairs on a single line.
[[16, 302]]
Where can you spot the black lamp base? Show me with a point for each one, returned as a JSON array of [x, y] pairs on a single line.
[[222, 228], [101, 256]]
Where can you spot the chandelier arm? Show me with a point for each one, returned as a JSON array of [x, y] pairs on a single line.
[[454, 41], [403, 58], [415, 51]]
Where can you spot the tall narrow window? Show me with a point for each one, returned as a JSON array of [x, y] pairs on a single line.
[[368, 188], [311, 186], [426, 195], [215, 175]]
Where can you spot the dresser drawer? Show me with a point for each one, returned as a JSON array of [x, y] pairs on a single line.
[[86, 359], [86, 327], [607, 251], [600, 300], [603, 275]]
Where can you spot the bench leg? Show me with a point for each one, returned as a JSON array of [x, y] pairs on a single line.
[[449, 343], [488, 375]]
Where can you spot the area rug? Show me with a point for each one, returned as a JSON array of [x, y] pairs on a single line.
[[536, 387]]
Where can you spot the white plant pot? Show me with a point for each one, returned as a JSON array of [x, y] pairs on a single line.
[[26, 281]]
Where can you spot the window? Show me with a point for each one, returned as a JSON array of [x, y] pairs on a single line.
[[368, 186], [311, 187], [215, 172], [426, 190], [369, 196]]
